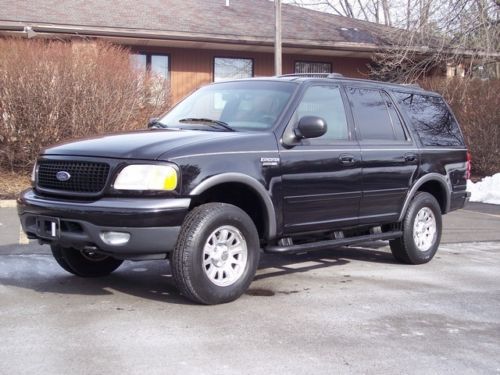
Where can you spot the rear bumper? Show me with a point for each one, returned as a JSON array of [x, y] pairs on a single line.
[[153, 224], [458, 199]]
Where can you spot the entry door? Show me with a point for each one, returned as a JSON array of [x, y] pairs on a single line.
[[321, 177], [389, 156]]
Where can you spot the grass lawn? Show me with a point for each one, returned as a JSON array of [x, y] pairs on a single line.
[[11, 184]]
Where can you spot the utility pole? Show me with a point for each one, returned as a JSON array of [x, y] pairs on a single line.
[[277, 38]]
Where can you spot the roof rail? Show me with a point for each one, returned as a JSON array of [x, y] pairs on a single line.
[[312, 75], [414, 85]]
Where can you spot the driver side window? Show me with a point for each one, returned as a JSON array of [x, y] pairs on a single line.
[[325, 102]]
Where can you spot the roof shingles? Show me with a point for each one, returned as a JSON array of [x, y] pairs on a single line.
[[246, 18]]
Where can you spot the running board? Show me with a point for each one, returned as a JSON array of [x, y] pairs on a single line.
[[322, 245]]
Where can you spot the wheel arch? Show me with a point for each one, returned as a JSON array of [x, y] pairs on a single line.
[[253, 185], [434, 184]]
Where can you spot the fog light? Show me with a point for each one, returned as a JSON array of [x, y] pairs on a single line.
[[115, 238]]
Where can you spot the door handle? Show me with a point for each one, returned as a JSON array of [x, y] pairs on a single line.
[[347, 159], [410, 157]]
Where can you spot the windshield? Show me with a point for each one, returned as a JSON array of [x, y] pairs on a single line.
[[242, 105]]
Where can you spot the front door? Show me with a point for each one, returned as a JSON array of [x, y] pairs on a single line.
[[321, 177]]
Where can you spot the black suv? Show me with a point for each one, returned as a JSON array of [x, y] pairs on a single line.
[[285, 164]]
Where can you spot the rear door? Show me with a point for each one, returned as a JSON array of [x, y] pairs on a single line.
[[443, 147], [389, 156], [321, 177]]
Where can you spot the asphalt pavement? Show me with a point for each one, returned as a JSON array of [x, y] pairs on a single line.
[[350, 310]]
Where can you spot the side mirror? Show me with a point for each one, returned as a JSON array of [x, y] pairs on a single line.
[[152, 121], [310, 127]]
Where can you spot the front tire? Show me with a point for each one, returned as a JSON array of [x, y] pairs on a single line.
[[216, 255], [422, 228], [83, 263]]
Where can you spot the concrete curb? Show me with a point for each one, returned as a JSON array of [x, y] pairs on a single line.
[[8, 203]]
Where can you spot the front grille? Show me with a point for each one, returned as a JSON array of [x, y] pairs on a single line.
[[86, 177]]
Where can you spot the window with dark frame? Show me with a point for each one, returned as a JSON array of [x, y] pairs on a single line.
[[372, 111], [158, 64], [431, 118], [228, 68], [325, 102], [396, 123], [312, 67]]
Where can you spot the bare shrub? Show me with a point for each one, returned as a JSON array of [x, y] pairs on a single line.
[[476, 105], [52, 91]]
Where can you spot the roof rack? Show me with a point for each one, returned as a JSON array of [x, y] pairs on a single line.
[[312, 75], [414, 85]]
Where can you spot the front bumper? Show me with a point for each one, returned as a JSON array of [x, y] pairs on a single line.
[[153, 223]]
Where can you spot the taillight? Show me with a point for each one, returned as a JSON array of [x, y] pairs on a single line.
[[468, 166]]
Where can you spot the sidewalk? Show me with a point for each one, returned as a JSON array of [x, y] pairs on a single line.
[[485, 208], [476, 222]]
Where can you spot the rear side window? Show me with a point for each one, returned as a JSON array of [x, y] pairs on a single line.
[[396, 123], [431, 119], [375, 115]]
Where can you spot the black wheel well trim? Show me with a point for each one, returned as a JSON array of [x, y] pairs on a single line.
[[253, 184], [442, 180]]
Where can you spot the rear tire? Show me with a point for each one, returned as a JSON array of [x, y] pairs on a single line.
[[422, 227], [216, 255], [84, 264]]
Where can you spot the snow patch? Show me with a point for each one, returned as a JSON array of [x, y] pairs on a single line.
[[486, 191]]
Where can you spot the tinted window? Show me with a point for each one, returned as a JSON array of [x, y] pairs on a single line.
[[431, 119], [397, 124], [325, 102], [372, 116]]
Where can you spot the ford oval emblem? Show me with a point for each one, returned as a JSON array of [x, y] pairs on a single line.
[[63, 176]]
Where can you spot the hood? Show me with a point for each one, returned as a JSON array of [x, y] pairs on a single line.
[[149, 144]]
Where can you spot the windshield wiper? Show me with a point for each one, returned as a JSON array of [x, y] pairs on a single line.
[[154, 123], [208, 121]]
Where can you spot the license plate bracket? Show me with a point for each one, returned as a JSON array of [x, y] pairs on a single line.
[[48, 227]]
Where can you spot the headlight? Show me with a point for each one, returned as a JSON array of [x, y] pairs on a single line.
[[146, 177]]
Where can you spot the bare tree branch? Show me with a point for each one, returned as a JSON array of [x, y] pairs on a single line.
[[462, 33], [428, 35]]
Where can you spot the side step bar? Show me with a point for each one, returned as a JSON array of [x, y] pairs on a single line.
[[322, 245]]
